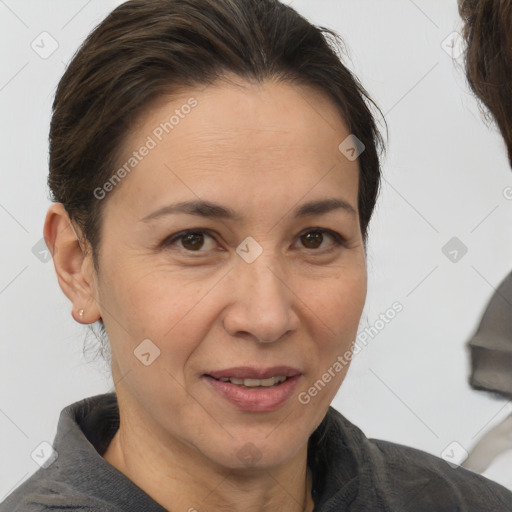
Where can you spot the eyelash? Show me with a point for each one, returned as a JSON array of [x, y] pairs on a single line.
[[339, 241]]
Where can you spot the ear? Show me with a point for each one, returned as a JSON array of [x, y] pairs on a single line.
[[73, 266]]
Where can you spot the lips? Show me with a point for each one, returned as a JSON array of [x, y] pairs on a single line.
[[254, 398], [252, 389], [249, 372]]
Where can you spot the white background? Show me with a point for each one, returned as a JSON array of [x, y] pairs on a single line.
[[444, 176]]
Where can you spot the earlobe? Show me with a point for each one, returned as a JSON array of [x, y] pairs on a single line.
[[72, 264]]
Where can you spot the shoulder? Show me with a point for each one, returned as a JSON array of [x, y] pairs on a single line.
[[393, 477], [68, 483], [38, 495], [424, 477]]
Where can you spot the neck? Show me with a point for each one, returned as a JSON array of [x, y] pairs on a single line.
[[177, 477]]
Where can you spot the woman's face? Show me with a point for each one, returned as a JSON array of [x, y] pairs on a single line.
[[254, 287]]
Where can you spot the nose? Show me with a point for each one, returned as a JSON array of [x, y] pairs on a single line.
[[263, 302]]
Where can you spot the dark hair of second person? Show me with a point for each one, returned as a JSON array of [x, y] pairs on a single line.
[[488, 35]]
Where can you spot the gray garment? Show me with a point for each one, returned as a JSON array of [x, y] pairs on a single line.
[[351, 473], [491, 346]]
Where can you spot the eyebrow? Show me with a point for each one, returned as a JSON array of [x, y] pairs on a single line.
[[212, 210]]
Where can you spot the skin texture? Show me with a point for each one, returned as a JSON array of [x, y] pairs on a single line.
[[261, 150]]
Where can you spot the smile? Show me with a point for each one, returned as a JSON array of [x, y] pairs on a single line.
[[254, 395]]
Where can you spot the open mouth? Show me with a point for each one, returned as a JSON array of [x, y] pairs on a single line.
[[270, 382]]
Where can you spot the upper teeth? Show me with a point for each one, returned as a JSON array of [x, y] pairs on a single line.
[[251, 383]]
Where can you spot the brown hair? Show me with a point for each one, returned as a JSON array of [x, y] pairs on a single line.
[[147, 48], [488, 34]]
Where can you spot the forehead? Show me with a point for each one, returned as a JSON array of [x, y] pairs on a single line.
[[243, 136]]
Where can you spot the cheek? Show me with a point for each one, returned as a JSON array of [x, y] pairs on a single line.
[[149, 299], [338, 308], [340, 302], [142, 304]]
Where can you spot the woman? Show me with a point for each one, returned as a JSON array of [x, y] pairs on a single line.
[[488, 34], [214, 168]]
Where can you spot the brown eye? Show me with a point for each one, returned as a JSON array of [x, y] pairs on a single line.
[[312, 240], [192, 241]]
